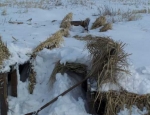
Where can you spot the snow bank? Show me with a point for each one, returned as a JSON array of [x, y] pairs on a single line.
[[30, 34]]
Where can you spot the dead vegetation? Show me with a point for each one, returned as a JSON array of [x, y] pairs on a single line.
[[66, 21], [4, 12], [108, 11], [15, 22], [32, 80], [118, 15], [64, 32], [4, 52], [139, 11], [116, 101], [43, 4], [87, 37], [129, 16], [100, 21], [52, 42], [106, 27], [109, 60], [76, 68]]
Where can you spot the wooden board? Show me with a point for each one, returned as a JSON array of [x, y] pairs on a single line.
[[14, 83], [3, 94]]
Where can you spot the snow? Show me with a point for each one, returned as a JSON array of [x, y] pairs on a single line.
[[134, 111], [31, 33]]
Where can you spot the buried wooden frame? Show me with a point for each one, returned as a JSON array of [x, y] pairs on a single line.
[[3, 93], [7, 80], [8, 85]]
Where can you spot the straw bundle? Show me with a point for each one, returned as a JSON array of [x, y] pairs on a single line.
[[106, 27], [76, 68], [4, 52], [100, 21], [66, 21], [32, 80], [64, 32], [109, 59], [116, 101], [52, 42]]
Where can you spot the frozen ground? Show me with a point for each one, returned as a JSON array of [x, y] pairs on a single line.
[[31, 33]]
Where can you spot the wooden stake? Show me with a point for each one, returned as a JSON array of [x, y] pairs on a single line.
[[14, 83], [3, 94]]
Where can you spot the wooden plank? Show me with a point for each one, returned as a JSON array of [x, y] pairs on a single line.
[[14, 83], [84, 23], [3, 93]]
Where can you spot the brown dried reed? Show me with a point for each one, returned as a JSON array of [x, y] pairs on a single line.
[[106, 27], [117, 100], [100, 21], [77, 68], [52, 42], [66, 21], [32, 80], [87, 37], [109, 59], [4, 52]]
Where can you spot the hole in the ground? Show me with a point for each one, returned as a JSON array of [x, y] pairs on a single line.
[[100, 107], [95, 107], [24, 71]]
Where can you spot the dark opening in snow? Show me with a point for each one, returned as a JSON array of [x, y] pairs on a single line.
[[24, 71]]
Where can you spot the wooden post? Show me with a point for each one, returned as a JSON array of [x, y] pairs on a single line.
[[14, 83], [3, 94]]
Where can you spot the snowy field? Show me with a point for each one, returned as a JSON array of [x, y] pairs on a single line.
[[21, 39]]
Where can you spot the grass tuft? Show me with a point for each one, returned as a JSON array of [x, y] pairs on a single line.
[[52, 42], [106, 27], [100, 21], [66, 21], [76, 68], [4, 52]]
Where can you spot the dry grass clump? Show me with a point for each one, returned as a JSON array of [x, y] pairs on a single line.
[[106, 27], [32, 80], [108, 11], [52, 42], [87, 37], [134, 17], [4, 12], [66, 21], [4, 52], [116, 101], [76, 68], [100, 21], [80, 2], [109, 60], [65, 25], [3, 4], [64, 32], [43, 4], [139, 11]]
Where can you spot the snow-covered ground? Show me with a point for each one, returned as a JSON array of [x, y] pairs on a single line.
[[31, 33]]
